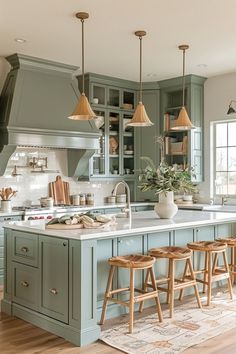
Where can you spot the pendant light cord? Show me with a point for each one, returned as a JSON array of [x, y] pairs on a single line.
[[140, 72], [82, 21], [183, 76]]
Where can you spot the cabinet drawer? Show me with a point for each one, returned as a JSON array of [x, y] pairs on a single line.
[[25, 248], [25, 285]]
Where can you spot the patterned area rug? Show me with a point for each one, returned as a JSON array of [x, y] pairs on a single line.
[[190, 326]]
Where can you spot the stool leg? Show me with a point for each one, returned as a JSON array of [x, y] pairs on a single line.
[[209, 278], [131, 300], [107, 294], [181, 293], [168, 284], [157, 296], [171, 286], [227, 270], [144, 288], [232, 266], [214, 263], [205, 272], [195, 285]]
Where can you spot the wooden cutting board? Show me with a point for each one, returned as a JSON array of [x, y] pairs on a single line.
[[64, 226], [60, 192]]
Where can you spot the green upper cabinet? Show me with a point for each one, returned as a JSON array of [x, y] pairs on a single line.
[[146, 137], [183, 148], [114, 101]]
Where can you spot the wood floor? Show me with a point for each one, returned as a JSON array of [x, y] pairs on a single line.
[[19, 337]]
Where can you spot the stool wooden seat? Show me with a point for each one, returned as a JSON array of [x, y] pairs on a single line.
[[231, 243], [212, 272], [133, 263], [174, 254]]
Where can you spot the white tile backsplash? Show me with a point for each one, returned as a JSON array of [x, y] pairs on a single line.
[[32, 186]]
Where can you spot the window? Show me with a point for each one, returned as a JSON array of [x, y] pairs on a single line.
[[225, 158]]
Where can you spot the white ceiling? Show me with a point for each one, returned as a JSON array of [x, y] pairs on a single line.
[[52, 32]]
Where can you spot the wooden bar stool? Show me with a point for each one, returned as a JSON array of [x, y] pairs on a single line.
[[174, 254], [133, 263], [231, 243], [211, 271]]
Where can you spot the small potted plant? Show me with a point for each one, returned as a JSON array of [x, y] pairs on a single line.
[[164, 180]]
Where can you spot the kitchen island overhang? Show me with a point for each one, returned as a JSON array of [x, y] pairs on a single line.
[[142, 222], [56, 279]]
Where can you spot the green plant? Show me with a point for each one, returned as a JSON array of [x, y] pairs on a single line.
[[165, 178]]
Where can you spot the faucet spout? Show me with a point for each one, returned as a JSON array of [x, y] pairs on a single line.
[[127, 189]]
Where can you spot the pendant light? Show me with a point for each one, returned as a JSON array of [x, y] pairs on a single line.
[[140, 117], [83, 110], [183, 122]]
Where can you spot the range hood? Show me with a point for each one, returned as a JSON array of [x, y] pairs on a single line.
[[35, 102]]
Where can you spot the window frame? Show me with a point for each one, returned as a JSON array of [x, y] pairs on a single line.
[[213, 155]]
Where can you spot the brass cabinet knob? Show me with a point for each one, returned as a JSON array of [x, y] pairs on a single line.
[[24, 283], [24, 249], [53, 291]]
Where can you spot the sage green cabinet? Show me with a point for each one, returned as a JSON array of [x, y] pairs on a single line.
[[54, 268], [185, 147], [25, 248], [146, 144], [1, 256], [113, 100]]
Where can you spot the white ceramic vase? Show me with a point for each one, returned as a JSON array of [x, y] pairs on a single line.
[[166, 208]]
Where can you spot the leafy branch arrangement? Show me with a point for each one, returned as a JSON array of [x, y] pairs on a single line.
[[165, 178]]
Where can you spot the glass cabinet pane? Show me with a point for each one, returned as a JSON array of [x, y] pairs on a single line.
[[98, 95], [128, 100], [113, 97], [98, 165], [114, 143], [128, 146]]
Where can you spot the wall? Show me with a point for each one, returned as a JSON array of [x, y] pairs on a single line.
[[218, 92], [32, 186]]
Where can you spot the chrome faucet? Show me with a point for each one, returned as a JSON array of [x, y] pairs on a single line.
[[223, 200], [114, 193]]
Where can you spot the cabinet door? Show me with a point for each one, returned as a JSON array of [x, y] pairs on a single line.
[[54, 274], [114, 143], [105, 250], [98, 95], [98, 161], [1, 256], [181, 238], [196, 154]]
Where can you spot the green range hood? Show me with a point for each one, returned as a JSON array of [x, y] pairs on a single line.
[[35, 102]]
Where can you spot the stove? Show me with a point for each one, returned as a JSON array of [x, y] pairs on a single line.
[[36, 212]]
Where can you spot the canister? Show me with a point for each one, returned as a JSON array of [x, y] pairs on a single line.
[[90, 199], [111, 199], [82, 199], [121, 198], [76, 199]]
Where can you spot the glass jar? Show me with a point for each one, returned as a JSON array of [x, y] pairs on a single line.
[[90, 199], [82, 199]]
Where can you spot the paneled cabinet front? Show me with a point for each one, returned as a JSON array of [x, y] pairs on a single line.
[[54, 268]]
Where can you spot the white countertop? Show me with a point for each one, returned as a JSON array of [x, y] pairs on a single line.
[[142, 222]]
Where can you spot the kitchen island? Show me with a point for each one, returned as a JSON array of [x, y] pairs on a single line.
[[56, 279]]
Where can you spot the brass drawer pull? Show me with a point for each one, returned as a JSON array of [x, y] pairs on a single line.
[[24, 249], [24, 283], [53, 291]]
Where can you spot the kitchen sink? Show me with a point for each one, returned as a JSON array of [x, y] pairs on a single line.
[[221, 208]]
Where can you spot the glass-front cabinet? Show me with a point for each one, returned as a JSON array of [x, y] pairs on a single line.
[[113, 100], [183, 148]]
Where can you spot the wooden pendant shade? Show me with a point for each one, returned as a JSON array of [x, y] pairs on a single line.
[[183, 122], [83, 110], [140, 117]]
